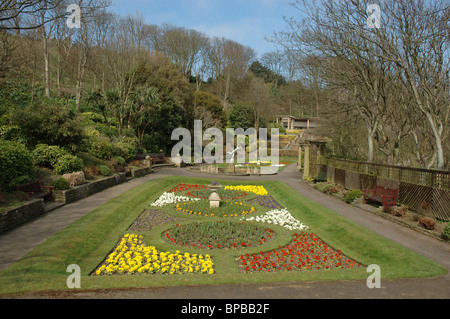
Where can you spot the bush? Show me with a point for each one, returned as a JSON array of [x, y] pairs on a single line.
[[104, 170], [61, 184], [400, 211], [45, 155], [91, 171], [48, 122], [15, 161], [120, 160], [427, 223], [101, 147], [353, 195], [446, 232], [125, 148], [68, 164]]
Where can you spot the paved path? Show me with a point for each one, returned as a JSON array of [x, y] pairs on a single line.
[[37, 231]]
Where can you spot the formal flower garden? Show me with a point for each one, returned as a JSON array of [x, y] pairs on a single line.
[[247, 218]]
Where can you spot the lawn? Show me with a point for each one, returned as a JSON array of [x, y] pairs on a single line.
[[90, 240]]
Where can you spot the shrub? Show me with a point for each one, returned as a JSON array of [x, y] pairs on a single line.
[[427, 223], [45, 155], [68, 164], [400, 211], [446, 232], [25, 179], [49, 122], [353, 195], [91, 171], [125, 148], [120, 160], [101, 147], [75, 179], [104, 170], [15, 161], [61, 184]]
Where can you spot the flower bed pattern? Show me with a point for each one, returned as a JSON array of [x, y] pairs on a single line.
[[258, 190], [152, 218], [223, 194], [305, 252], [280, 217], [187, 187], [266, 201], [219, 235], [227, 209], [133, 256], [170, 198]]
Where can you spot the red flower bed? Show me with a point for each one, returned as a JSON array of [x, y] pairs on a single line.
[[187, 187], [305, 252]]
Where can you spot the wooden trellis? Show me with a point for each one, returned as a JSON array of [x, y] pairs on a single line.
[[416, 186]]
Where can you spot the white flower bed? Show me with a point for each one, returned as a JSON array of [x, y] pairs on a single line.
[[281, 217], [170, 198]]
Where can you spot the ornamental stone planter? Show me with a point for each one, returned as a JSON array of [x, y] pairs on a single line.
[[214, 200]]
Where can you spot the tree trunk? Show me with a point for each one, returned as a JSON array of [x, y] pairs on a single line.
[[46, 63], [81, 73]]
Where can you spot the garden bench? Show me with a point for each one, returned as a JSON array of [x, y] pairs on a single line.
[[321, 178], [383, 195], [35, 190], [157, 158]]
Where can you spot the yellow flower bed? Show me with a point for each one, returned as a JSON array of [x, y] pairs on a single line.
[[132, 256], [259, 190]]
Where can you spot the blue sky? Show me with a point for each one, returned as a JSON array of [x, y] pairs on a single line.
[[244, 21]]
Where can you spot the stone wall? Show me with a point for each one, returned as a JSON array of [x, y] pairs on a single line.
[[22, 214], [82, 191], [140, 172]]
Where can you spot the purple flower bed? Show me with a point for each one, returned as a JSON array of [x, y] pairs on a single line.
[[152, 218], [266, 201]]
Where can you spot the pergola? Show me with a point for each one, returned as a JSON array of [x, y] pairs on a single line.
[[309, 147]]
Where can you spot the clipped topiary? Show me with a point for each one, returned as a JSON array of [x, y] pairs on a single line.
[[104, 170]]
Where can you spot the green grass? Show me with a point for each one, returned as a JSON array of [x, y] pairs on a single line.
[[90, 239]]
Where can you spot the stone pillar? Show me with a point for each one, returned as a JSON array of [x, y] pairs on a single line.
[[306, 165], [299, 163], [148, 162]]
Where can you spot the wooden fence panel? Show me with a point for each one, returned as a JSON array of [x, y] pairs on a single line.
[[415, 185], [441, 204]]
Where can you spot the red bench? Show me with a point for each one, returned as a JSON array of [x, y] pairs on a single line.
[[35, 190], [383, 195]]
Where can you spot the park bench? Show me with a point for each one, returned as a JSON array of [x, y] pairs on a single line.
[[380, 194], [157, 158], [35, 190]]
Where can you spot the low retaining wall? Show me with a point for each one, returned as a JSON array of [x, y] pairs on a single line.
[[82, 191], [22, 214], [140, 172]]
